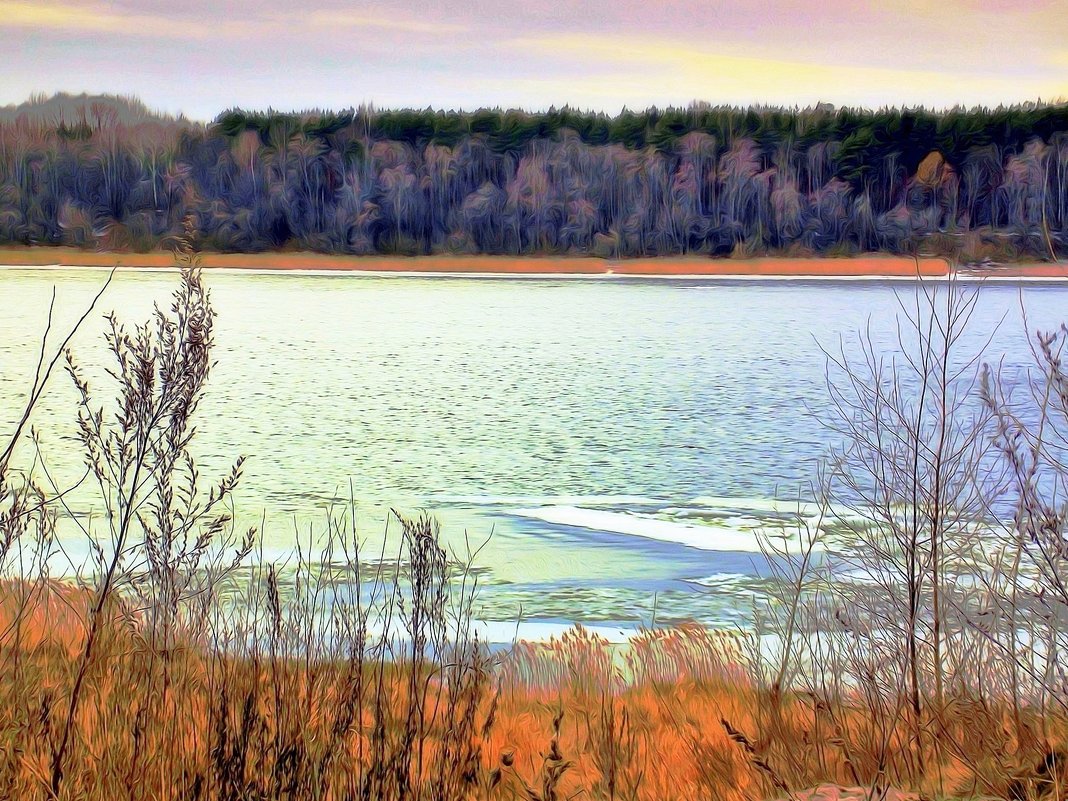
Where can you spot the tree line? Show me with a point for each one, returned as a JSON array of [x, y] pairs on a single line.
[[106, 173]]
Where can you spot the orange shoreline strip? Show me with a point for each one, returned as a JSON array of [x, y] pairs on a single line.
[[869, 265]]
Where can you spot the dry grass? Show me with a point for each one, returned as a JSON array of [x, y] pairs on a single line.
[[559, 720], [796, 266]]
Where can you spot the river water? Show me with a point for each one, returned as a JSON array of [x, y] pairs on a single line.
[[612, 444]]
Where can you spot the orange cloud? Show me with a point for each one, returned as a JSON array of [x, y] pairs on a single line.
[[352, 19], [101, 19], [674, 70], [42, 15]]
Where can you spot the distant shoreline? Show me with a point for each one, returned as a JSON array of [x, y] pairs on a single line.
[[863, 266]]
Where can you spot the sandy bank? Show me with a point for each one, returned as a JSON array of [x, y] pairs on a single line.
[[871, 265]]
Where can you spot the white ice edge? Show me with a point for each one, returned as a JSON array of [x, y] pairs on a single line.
[[703, 537], [548, 500]]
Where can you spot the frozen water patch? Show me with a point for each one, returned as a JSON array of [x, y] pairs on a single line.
[[720, 581], [712, 537], [548, 500]]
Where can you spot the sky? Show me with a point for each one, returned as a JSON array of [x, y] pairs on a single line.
[[200, 57]]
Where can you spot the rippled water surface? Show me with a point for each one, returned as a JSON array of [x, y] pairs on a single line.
[[616, 440]]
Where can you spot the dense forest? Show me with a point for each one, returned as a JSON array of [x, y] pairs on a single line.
[[105, 172]]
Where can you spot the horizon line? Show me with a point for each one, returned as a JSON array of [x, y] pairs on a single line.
[[366, 106]]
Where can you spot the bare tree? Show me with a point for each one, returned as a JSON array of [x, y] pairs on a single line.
[[874, 603]]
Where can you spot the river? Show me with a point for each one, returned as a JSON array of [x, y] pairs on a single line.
[[612, 444]]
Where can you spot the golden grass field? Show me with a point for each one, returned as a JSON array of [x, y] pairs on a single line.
[[678, 716]]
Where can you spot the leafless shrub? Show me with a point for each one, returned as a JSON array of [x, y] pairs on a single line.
[[884, 596]]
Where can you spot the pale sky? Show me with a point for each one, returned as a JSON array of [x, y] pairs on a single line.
[[202, 56]]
